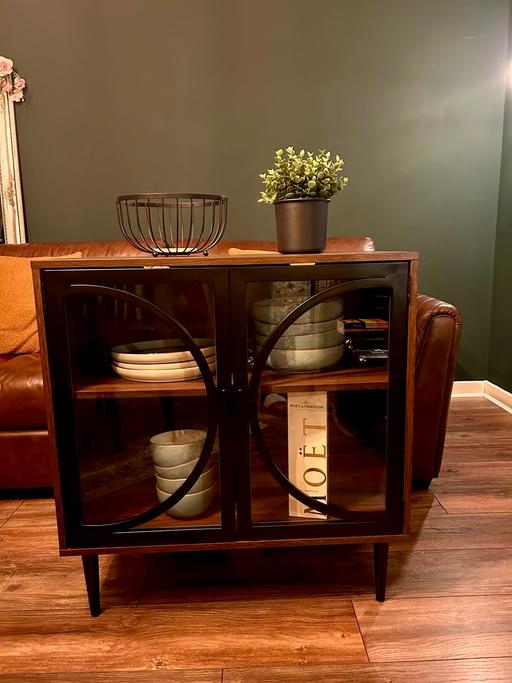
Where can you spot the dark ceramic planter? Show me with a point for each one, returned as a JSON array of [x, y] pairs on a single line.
[[301, 225]]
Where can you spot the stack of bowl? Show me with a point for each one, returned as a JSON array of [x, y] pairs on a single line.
[[160, 360], [175, 455], [311, 343]]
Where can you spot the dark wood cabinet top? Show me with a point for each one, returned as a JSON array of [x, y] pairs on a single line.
[[246, 259]]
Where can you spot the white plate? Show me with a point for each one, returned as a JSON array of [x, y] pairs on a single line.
[[295, 329], [274, 310], [159, 351], [321, 340], [160, 366], [144, 375]]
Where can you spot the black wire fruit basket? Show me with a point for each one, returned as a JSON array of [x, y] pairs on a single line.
[[165, 224]]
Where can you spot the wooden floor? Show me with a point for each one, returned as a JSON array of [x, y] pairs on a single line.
[[282, 615]]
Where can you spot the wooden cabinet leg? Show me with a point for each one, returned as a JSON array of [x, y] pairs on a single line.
[[380, 564], [91, 567]]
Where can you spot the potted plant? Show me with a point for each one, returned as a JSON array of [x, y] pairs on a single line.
[[300, 187]]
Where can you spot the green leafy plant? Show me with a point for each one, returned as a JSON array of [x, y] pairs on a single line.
[[303, 176]]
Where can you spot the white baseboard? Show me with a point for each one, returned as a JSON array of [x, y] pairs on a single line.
[[499, 396], [485, 389], [468, 389]]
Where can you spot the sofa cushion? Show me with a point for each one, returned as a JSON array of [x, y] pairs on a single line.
[[108, 249], [18, 324], [22, 401]]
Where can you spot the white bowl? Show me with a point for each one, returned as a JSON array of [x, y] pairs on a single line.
[[177, 472], [177, 447], [191, 505], [207, 479], [321, 340], [304, 360], [160, 351], [181, 471], [274, 310], [144, 374], [306, 328]]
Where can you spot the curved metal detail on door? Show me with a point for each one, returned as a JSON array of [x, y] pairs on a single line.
[[211, 393], [259, 365]]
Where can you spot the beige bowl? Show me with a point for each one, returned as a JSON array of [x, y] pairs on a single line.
[[266, 329], [303, 360], [322, 340], [207, 479], [177, 472], [191, 505], [274, 310], [182, 471], [177, 447]]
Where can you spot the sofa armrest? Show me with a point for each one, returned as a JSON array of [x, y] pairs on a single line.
[[438, 328]]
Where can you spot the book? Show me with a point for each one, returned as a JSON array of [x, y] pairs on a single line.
[[375, 322], [357, 324]]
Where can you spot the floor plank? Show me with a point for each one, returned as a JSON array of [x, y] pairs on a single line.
[[450, 572], [201, 635], [424, 503], [25, 542], [7, 509], [458, 671], [156, 676], [346, 573], [477, 452], [33, 576], [492, 436], [34, 513], [436, 628], [468, 488], [457, 532], [474, 405], [299, 572]]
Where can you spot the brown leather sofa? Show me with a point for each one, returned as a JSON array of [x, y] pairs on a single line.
[[25, 453]]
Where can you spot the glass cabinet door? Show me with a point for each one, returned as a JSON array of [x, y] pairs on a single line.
[[140, 363], [321, 359]]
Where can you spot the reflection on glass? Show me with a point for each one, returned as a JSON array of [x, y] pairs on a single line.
[[141, 405], [322, 405]]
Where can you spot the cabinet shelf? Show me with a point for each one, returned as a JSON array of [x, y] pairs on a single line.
[[131, 500], [346, 379], [269, 503], [117, 387]]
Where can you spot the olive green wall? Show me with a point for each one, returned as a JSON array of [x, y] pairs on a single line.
[[151, 95], [500, 348]]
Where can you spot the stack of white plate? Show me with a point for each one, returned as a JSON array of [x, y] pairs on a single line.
[[311, 343], [175, 455], [160, 360]]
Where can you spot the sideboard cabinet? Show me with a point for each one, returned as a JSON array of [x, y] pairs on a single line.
[[257, 311]]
